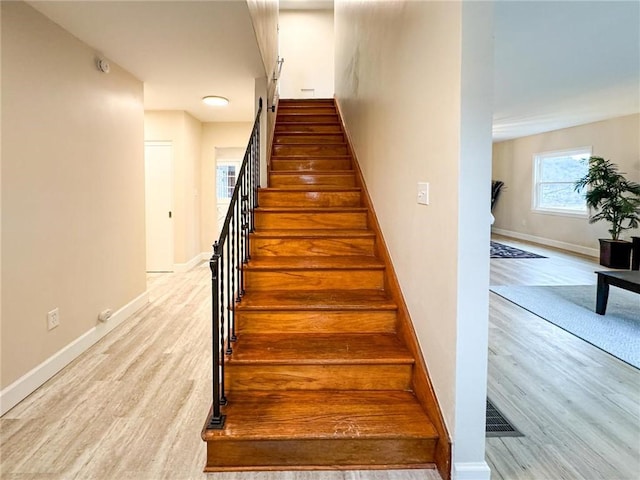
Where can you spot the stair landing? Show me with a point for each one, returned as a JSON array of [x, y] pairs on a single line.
[[297, 430]]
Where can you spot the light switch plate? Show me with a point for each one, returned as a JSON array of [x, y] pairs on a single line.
[[423, 193]]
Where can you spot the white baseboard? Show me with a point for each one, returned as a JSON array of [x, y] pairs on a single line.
[[32, 380], [591, 252], [471, 471], [185, 267]]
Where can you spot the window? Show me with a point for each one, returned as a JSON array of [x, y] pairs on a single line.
[[225, 181], [555, 174]]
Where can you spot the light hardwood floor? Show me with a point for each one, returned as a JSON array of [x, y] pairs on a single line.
[[132, 407], [578, 407]]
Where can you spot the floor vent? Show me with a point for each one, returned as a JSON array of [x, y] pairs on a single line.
[[497, 425]]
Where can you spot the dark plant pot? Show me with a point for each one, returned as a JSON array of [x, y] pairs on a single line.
[[635, 263], [615, 253]]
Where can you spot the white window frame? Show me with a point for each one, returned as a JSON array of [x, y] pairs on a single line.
[[537, 167]]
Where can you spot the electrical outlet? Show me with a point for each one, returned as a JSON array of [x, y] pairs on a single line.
[[423, 193], [53, 318]]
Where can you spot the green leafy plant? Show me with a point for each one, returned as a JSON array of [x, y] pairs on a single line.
[[615, 199]]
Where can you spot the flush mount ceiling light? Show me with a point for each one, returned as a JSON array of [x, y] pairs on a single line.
[[215, 101]]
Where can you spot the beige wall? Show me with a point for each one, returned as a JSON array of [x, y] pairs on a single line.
[[399, 82], [617, 139], [406, 137], [185, 133], [306, 44], [72, 189], [264, 15], [216, 135], [414, 83]]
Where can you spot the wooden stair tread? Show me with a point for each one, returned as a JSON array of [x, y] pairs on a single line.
[[289, 101], [258, 415], [326, 233], [352, 262], [314, 172], [309, 157], [311, 142], [310, 188], [294, 300], [311, 209], [311, 135], [317, 348]]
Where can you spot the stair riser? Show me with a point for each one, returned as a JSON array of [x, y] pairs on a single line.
[[322, 110], [284, 139], [314, 279], [277, 180], [308, 127], [303, 221], [308, 199], [309, 454], [272, 247], [319, 118], [310, 150], [317, 377], [381, 321], [284, 102], [306, 165]]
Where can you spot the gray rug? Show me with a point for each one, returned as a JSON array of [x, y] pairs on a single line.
[[572, 309]]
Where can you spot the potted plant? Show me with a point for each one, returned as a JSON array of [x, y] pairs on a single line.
[[616, 200]]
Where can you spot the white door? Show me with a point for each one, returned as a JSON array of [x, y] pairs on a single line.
[[158, 201], [228, 162]]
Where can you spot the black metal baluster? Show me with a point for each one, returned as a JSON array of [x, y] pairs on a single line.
[[223, 398], [239, 270], [257, 147], [245, 221], [230, 311], [217, 419], [233, 269]]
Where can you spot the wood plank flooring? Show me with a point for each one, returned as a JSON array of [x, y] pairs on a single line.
[[578, 407]]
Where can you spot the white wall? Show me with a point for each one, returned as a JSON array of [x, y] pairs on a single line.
[[72, 196], [404, 78], [617, 139], [306, 44], [216, 135], [185, 133]]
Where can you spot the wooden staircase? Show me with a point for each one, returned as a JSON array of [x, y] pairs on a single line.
[[326, 373]]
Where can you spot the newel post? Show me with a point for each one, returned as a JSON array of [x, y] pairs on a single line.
[[217, 419]]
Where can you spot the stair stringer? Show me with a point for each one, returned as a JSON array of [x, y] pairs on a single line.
[[422, 386]]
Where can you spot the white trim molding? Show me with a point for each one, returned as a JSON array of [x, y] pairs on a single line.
[[471, 471], [591, 252], [32, 380], [185, 267]]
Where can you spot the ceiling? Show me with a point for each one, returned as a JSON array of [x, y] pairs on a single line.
[[564, 63], [181, 50], [557, 63]]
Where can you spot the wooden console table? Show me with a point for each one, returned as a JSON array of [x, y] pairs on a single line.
[[627, 280]]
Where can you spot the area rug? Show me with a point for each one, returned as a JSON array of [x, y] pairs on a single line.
[[498, 250], [572, 309]]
